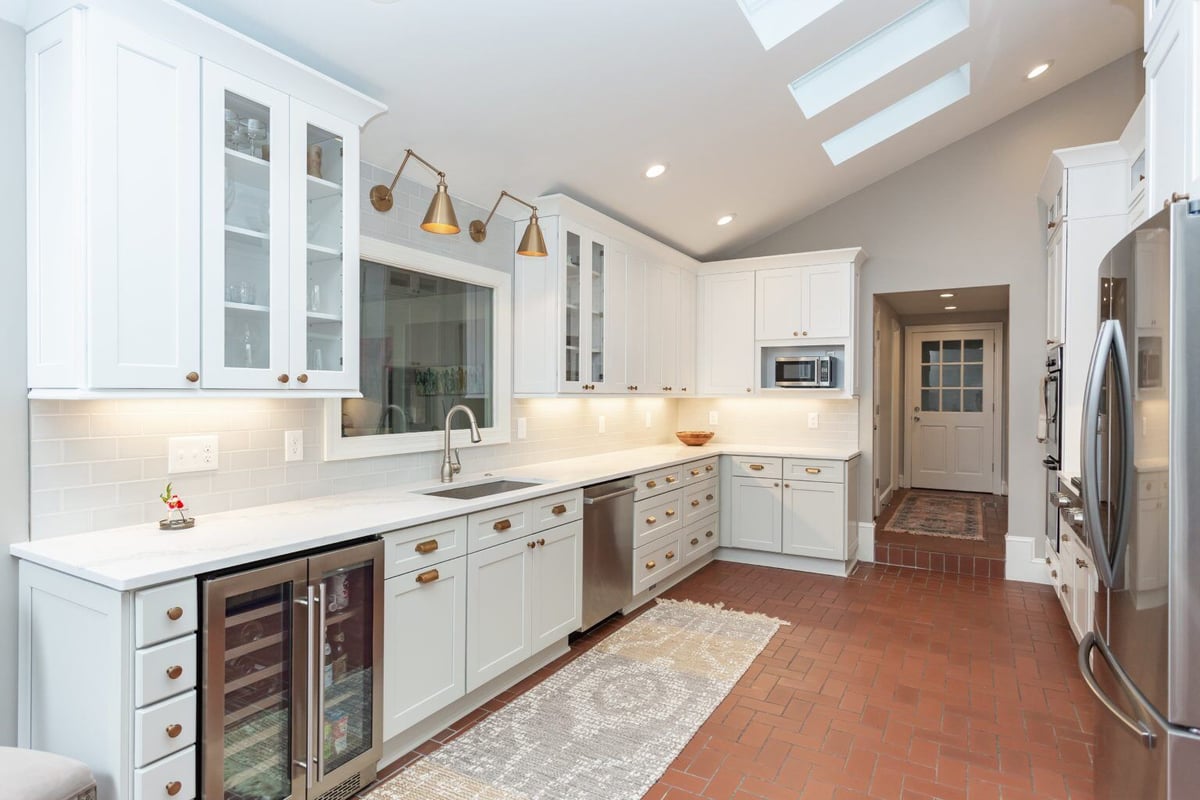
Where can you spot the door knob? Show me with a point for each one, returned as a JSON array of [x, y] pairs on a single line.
[[916, 418]]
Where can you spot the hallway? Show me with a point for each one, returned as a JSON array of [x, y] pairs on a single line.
[[982, 557]]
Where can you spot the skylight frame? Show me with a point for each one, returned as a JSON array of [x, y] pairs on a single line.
[[904, 39], [900, 116], [773, 21]]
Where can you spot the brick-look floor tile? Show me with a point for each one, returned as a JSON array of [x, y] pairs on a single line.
[[893, 684]]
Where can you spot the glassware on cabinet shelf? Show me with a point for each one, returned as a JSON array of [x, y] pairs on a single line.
[[572, 311], [248, 347]]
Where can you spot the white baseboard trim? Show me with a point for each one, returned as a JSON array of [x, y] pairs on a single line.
[[1021, 561], [758, 558], [885, 497], [866, 541]]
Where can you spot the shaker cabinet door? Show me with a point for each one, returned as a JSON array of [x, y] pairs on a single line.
[[756, 518], [814, 519], [725, 335], [556, 596], [498, 634]]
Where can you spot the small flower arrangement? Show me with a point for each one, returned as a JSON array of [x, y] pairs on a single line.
[[176, 519]]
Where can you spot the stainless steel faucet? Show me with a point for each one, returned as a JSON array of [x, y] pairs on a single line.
[[452, 466]]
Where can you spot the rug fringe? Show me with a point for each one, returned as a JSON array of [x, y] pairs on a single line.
[[721, 608]]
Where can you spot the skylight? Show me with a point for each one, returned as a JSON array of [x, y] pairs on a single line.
[[775, 20], [923, 103], [917, 32]]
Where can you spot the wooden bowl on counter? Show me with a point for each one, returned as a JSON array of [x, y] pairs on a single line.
[[694, 438]]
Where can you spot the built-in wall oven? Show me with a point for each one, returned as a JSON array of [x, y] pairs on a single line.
[[1052, 459], [805, 372]]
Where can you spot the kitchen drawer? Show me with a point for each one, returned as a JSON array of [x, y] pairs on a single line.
[[164, 612], [1151, 485], [751, 467], [700, 500], [557, 509], [700, 538], [176, 772], [164, 728], [654, 562], [498, 525], [652, 484], [656, 517], [163, 670], [424, 545], [700, 470], [814, 469]]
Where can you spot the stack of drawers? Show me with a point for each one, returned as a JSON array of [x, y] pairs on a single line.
[[675, 520], [164, 695]]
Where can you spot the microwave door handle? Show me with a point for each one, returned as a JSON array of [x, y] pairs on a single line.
[[1089, 472]]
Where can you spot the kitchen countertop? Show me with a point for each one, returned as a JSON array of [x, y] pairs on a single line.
[[137, 556]]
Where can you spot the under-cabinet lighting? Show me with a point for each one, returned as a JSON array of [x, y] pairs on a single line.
[[775, 20], [946, 294], [951, 308], [1040, 69], [655, 170], [917, 32], [725, 220], [919, 105]]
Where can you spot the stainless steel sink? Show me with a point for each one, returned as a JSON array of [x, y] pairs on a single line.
[[474, 490]]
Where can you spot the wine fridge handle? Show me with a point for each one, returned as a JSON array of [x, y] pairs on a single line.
[[319, 664], [312, 647]]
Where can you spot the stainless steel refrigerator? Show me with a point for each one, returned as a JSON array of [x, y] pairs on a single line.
[[1140, 480], [291, 678]]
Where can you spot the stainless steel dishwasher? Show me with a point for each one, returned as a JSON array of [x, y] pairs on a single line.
[[607, 549]]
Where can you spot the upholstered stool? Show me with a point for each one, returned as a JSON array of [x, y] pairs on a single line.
[[33, 775]]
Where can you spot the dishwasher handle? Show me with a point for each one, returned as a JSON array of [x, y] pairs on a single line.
[[589, 501]]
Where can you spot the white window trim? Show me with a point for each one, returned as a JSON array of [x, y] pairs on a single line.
[[339, 448]]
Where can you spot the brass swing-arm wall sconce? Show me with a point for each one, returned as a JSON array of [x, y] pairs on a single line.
[[532, 243], [439, 218]]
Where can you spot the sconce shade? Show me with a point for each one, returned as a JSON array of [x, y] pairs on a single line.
[[440, 217], [532, 243]]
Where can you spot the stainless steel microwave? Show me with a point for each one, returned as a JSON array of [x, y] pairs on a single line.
[[805, 372]]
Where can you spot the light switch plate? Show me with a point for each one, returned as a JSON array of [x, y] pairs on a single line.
[[712, 418], [191, 454], [522, 428], [293, 445], [600, 424], [814, 419]]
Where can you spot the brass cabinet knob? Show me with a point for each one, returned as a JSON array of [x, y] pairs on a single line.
[[651, 484], [670, 512], [558, 509], [651, 520], [173, 788], [708, 497], [1066, 538], [747, 388], [501, 525], [1053, 573], [1047, 559], [531, 545], [174, 672], [173, 731], [1079, 562], [425, 548], [795, 333], [635, 387], [174, 613], [671, 479], [776, 483], [283, 378], [670, 554], [757, 467], [695, 503], [786, 485], [1065, 589], [708, 534], [541, 542], [302, 377], [695, 472], [695, 541], [650, 565], [1051, 226], [428, 576], [804, 333], [708, 468], [192, 377]]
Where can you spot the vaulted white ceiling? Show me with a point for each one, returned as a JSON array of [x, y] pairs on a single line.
[[539, 96]]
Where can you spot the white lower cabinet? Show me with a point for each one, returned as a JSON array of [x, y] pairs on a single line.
[[757, 514], [424, 643], [814, 519], [556, 607], [1076, 584]]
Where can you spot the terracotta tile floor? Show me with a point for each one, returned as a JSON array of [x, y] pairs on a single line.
[[945, 554], [891, 684]]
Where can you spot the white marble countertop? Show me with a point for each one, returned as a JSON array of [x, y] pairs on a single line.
[[141, 555]]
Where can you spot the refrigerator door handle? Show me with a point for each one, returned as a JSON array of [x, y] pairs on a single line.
[[1135, 726]]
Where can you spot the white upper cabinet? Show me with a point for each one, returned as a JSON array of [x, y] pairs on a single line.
[[779, 294], [1172, 160], [725, 334], [170, 217], [804, 302]]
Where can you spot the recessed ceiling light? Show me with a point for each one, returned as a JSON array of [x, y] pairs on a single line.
[[1039, 70], [946, 294], [654, 170], [951, 308], [725, 220]]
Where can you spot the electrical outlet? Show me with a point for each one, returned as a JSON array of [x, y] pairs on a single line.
[[600, 424], [712, 418], [293, 445], [522, 428], [191, 454], [814, 419], [649, 420]]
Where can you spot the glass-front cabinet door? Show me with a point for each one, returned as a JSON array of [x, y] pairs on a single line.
[[244, 209], [585, 303], [324, 260]]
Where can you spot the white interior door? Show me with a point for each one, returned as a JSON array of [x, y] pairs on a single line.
[[951, 396]]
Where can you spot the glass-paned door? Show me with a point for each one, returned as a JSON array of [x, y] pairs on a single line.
[[324, 261], [244, 202], [586, 276], [572, 298], [254, 708], [596, 308]]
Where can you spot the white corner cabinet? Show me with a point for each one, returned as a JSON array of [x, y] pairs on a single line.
[[607, 311], [753, 310], [1172, 150], [193, 211]]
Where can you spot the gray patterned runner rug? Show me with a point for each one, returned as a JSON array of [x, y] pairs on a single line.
[[608, 724]]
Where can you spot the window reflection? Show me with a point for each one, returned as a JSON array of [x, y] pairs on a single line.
[[426, 345]]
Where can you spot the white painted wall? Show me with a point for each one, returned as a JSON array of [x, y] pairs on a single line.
[[14, 459], [967, 216]]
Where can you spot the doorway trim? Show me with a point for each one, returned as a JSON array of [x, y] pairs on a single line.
[[998, 395]]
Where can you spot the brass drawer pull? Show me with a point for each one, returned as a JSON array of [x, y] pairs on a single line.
[[1053, 573], [173, 788], [708, 468], [173, 731], [695, 503], [708, 534], [670, 512], [558, 509], [813, 470], [1079, 562], [671, 479], [174, 613], [670, 554], [541, 542], [650, 565], [428, 576], [708, 497], [651, 484], [695, 541], [1066, 589], [502, 525], [425, 548], [757, 467], [651, 520], [174, 672], [1066, 538], [695, 472]]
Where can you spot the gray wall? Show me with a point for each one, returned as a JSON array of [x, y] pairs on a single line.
[[14, 457], [967, 216]]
